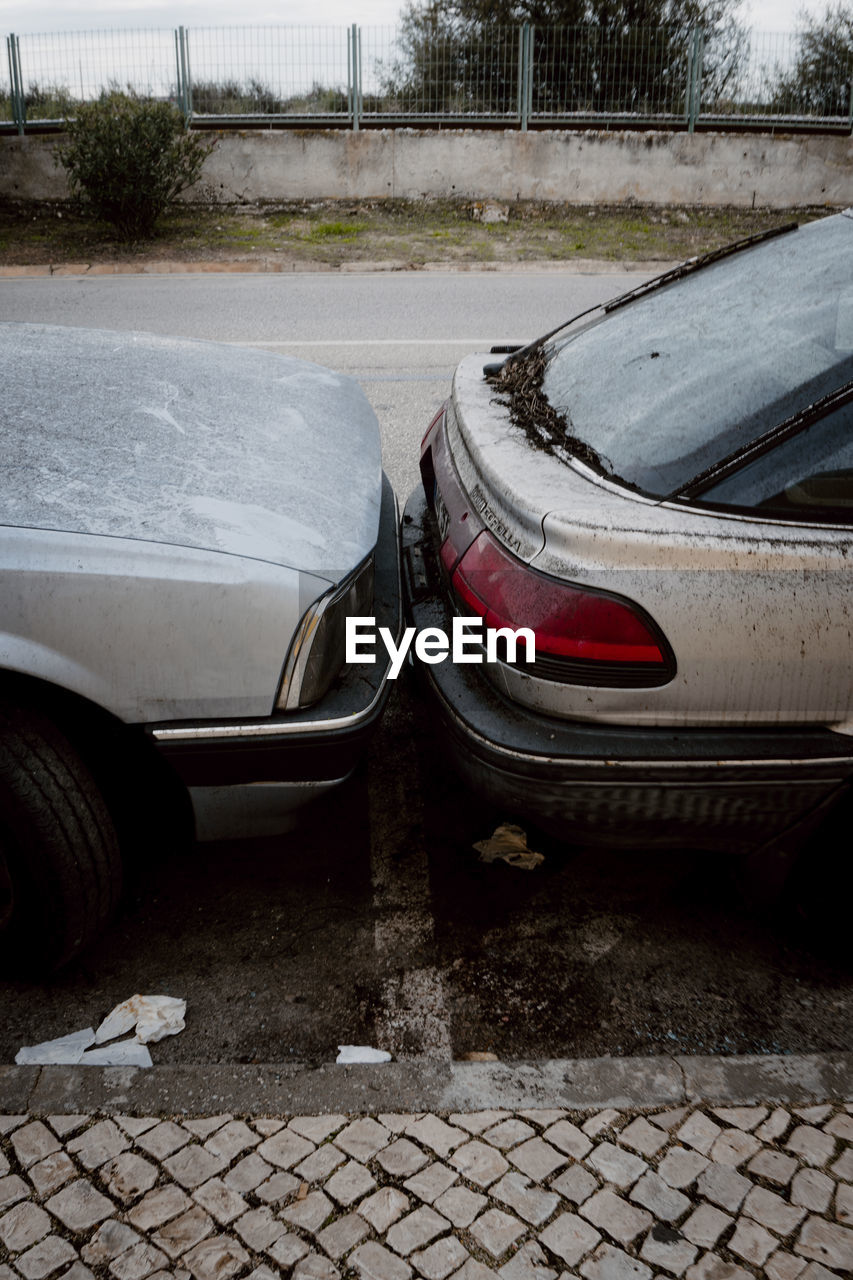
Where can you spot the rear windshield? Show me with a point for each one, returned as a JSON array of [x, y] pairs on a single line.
[[670, 384]]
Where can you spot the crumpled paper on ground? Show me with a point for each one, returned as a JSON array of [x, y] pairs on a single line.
[[509, 843], [66, 1051], [153, 1016], [348, 1053]]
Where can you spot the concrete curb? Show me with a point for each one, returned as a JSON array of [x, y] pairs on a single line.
[[576, 267], [291, 1088]]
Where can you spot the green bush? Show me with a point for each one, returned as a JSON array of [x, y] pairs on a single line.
[[127, 159]]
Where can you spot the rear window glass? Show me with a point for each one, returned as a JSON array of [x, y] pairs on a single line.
[[670, 384]]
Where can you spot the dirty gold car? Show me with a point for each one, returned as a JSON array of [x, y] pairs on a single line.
[[662, 490], [185, 529]]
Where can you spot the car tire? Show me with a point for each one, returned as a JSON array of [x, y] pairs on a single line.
[[60, 864], [816, 898]]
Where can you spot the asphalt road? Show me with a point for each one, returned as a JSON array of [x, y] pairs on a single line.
[[372, 921]]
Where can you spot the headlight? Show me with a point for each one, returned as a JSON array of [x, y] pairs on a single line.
[[317, 652]]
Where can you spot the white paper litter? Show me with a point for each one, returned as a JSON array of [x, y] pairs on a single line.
[[124, 1053], [361, 1053], [64, 1052], [153, 1016]]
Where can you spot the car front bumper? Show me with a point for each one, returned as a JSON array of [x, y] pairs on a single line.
[[601, 784], [279, 762]]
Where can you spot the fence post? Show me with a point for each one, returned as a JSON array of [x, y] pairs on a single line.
[[525, 74], [19, 105], [694, 78], [182, 57], [354, 74]]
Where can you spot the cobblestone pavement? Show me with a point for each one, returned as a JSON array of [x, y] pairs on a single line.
[[710, 1193]]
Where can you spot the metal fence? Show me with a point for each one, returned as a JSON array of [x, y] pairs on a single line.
[[518, 76]]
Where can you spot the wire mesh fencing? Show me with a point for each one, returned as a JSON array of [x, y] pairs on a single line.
[[427, 72]]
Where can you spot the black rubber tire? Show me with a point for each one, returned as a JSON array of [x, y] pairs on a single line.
[[60, 864]]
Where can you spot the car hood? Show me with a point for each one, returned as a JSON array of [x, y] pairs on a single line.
[[165, 440]]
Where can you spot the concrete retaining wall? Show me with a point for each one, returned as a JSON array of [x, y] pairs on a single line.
[[582, 168]]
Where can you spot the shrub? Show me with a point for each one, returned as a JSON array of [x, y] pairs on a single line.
[[127, 159]]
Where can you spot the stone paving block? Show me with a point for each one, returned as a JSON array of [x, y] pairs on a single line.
[[811, 1145], [710, 1267], [350, 1183], [206, 1125], [609, 1263], [45, 1258], [567, 1137], [111, 1239], [623, 1222], [24, 1225], [158, 1207], [671, 1119], [52, 1173], [263, 1272], [843, 1167], [705, 1226], [775, 1166], [399, 1121], [782, 1265], [193, 1165], [814, 1114], [416, 1230], [248, 1173], [665, 1247], [478, 1121], [4, 1165], [281, 1186], [615, 1165], [430, 1183], [723, 1186], [402, 1158], [774, 1126], [128, 1176], [746, 1118], [343, 1235], [772, 1211], [103, 1142], [62, 1126], [285, 1149], [543, 1116], [315, 1128], [138, 1262], [663, 1201], [78, 1272], [33, 1142], [320, 1163], [179, 1235], [828, 1243], [12, 1189], [844, 1204], [460, 1205], [6, 1273], [315, 1266], [509, 1133], [383, 1208], [734, 1147], [840, 1126], [266, 1126], [814, 1271], [442, 1258], [164, 1140], [232, 1140], [642, 1137], [220, 1201], [287, 1250], [529, 1201], [432, 1132], [10, 1123], [812, 1189], [680, 1168], [479, 1163], [527, 1263], [496, 1231], [570, 1238], [473, 1270], [699, 1132], [576, 1184], [217, 1258], [363, 1139], [133, 1126], [79, 1206], [373, 1261], [259, 1228], [309, 1214], [537, 1158], [751, 1242], [604, 1120]]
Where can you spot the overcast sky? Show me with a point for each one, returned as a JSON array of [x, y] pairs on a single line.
[[58, 15]]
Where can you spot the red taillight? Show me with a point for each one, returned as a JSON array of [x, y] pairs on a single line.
[[569, 621]]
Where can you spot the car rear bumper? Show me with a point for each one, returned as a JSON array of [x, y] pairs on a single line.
[[611, 785], [310, 749]]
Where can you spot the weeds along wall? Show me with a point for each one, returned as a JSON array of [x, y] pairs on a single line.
[[649, 167]]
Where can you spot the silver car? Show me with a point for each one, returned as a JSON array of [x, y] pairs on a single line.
[[661, 491], [186, 527]]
